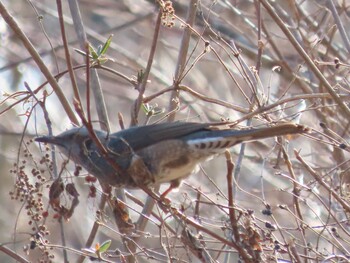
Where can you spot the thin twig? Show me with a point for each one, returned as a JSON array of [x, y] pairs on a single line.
[[185, 41], [306, 58], [67, 53], [319, 179], [145, 75], [31, 49]]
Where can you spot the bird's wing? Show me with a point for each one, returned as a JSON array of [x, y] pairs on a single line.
[[143, 136]]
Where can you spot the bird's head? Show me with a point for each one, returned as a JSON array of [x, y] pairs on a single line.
[[74, 143]]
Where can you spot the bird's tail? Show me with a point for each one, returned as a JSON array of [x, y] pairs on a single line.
[[267, 132], [221, 139]]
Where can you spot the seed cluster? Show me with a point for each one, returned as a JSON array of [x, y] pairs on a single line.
[[28, 189], [168, 13]]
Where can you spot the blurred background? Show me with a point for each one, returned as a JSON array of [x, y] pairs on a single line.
[[254, 63]]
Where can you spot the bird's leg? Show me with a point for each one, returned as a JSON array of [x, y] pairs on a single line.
[[173, 184]]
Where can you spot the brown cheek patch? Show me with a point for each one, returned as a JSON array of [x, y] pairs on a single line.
[[183, 160]]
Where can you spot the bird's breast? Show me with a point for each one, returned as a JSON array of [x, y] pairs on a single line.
[[170, 160]]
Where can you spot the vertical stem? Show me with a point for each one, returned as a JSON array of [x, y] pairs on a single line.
[[182, 57]]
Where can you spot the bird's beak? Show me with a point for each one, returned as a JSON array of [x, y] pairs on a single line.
[[50, 139]]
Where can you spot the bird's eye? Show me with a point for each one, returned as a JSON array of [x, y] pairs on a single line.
[[88, 143]]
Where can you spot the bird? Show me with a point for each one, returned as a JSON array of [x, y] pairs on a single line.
[[150, 155]]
